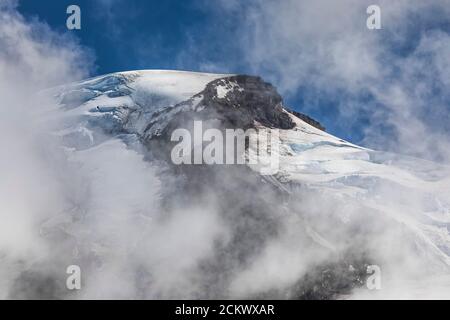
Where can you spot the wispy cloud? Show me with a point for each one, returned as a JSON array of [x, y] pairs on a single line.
[[32, 58], [394, 79]]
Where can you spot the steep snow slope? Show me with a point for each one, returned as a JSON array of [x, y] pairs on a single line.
[[109, 100], [340, 195], [412, 191]]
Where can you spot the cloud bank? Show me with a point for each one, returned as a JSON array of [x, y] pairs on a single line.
[[388, 85], [99, 208], [32, 189]]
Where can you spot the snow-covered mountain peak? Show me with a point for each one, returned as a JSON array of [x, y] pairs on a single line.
[[341, 201]]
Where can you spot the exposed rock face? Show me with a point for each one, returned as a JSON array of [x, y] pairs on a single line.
[[245, 100], [236, 102], [308, 120]]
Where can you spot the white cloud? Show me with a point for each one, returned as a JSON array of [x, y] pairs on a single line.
[[31, 189], [325, 47]]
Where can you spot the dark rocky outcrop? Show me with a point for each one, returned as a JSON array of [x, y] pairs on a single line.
[[248, 99], [308, 120]]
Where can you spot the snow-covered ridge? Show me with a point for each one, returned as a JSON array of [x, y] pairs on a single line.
[[112, 101]]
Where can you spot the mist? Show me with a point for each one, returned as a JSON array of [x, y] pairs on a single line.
[[140, 230], [98, 208]]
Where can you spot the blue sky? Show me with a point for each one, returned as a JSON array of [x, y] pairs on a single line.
[[363, 85], [114, 30]]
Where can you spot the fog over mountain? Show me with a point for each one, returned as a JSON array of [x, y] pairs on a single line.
[[88, 180]]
